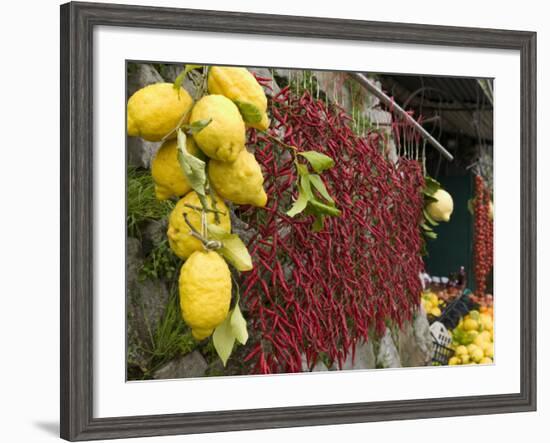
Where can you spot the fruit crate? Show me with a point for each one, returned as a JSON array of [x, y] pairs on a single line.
[[441, 341], [457, 309]]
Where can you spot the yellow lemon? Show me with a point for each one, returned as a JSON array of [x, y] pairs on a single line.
[[205, 292], [166, 170], [477, 355], [465, 359], [428, 306], [240, 85], [470, 325], [441, 209], [480, 339], [454, 361], [461, 350], [486, 361], [156, 110], [486, 335], [436, 312], [240, 182], [486, 322], [223, 139], [488, 349], [179, 234]]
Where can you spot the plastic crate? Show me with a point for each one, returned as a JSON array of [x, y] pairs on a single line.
[[441, 341]]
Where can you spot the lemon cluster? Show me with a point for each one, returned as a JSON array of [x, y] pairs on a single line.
[[473, 339], [431, 303], [155, 113]]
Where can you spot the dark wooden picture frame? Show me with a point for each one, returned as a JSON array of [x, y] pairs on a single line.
[[77, 23]]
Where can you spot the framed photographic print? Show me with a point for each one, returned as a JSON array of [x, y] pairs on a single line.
[[272, 221]]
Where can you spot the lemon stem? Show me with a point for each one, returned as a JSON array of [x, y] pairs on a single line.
[[198, 208]]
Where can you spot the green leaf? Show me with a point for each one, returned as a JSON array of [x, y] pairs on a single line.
[[193, 168], [320, 186], [233, 249], [321, 208], [305, 186], [428, 198], [249, 112], [224, 339], [470, 205], [429, 218], [425, 227], [238, 325], [318, 223], [302, 169], [197, 126], [299, 205], [430, 234], [431, 185], [183, 74], [318, 161]]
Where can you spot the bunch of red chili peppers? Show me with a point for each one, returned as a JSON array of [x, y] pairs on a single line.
[[483, 235], [318, 294]]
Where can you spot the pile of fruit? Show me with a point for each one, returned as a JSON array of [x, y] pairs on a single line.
[[473, 338], [203, 163], [432, 304]]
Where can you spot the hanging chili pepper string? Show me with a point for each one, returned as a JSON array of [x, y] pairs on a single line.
[[326, 290]]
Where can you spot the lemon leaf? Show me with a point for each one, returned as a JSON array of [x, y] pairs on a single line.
[[320, 186], [183, 74], [238, 325], [197, 126], [193, 168], [318, 223], [224, 339], [321, 208], [429, 219], [233, 249], [319, 162], [432, 185], [298, 206], [425, 227], [430, 234], [249, 112]]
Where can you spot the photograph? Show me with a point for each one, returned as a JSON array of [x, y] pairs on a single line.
[[283, 220]]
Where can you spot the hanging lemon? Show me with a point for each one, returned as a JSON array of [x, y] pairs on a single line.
[[240, 182], [205, 292], [240, 85], [166, 170], [156, 110], [441, 209], [179, 234], [223, 139]]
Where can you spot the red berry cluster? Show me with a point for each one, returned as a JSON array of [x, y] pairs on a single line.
[[483, 235]]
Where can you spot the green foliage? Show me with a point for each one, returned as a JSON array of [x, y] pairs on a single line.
[[141, 204], [172, 336], [193, 168], [160, 263], [249, 112], [233, 249], [313, 197], [232, 329]]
